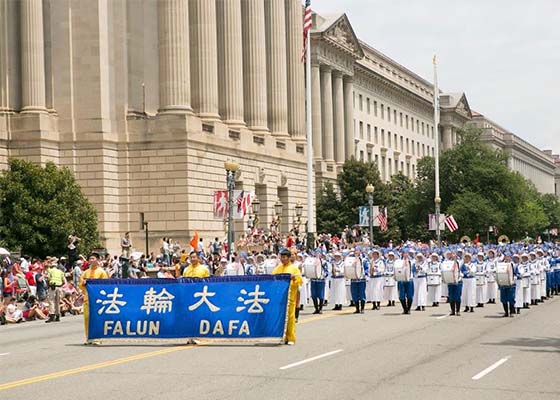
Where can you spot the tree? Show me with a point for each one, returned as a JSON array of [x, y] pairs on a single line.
[[329, 216], [41, 207]]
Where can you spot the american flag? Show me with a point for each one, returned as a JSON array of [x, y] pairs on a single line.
[[382, 218], [451, 223], [307, 22], [240, 201]]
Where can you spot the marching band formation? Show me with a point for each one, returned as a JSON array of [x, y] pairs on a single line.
[[465, 276]]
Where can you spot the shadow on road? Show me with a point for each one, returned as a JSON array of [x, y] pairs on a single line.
[[537, 344]]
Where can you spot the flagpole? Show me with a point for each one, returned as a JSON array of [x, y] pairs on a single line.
[[310, 198], [437, 199]]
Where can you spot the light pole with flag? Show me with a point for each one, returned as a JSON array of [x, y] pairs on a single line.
[[437, 199]]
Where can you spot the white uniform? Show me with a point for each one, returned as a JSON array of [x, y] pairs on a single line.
[[338, 283], [535, 280], [374, 288], [491, 285], [468, 295], [304, 288], [434, 290], [389, 285], [420, 280], [543, 267], [526, 274], [481, 282], [519, 285]]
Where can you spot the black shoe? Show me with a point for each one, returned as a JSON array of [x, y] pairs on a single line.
[[479, 305], [389, 303], [57, 318], [393, 303], [472, 309], [51, 319], [417, 308], [362, 306], [466, 309], [423, 309], [518, 310]]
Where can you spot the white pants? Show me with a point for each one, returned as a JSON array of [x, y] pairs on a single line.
[[444, 289], [481, 294], [492, 290], [518, 293], [434, 293], [303, 292], [468, 295], [390, 293], [338, 291], [420, 298], [536, 292], [374, 289]]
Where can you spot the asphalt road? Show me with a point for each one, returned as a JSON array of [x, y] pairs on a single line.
[[377, 355]]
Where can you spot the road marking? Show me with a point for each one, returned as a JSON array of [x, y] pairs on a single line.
[[91, 367], [330, 353], [491, 368], [442, 316], [323, 316], [4, 354]]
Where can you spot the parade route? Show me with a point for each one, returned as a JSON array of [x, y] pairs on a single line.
[[379, 354]]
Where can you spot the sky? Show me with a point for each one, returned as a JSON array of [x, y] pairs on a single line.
[[505, 55]]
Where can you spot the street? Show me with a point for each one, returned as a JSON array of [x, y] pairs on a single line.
[[376, 355]]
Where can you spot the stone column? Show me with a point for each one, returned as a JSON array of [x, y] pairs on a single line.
[[316, 111], [230, 62], [32, 57], [275, 21], [174, 68], [204, 58], [447, 137], [4, 82], [296, 77], [254, 61], [327, 114], [338, 117], [349, 117]]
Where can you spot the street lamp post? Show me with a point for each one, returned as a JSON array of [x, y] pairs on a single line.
[[437, 201], [369, 190], [278, 206], [231, 168], [256, 206]]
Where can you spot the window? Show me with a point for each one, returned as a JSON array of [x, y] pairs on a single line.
[[377, 161], [390, 165], [382, 111], [375, 108], [396, 166], [388, 139], [383, 167], [402, 166], [368, 132], [361, 101], [401, 119], [361, 155], [408, 169], [412, 147], [407, 148], [423, 150], [369, 156], [432, 132], [418, 148], [417, 126], [396, 143], [433, 152], [422, 128], [412, 123], [413, 171], [402, 147], [383, 137], [368, 106], [389, 114], [376, 137], [361, 130], [407, 122], [395, 116]]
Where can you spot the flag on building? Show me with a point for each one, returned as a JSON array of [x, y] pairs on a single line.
[[307, 22], [382, 218], [451, 223], [220, 203]]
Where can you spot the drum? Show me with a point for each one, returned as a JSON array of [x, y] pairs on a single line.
[[434, 280], [480, 279], [402, 271], [504, 274], [312, 268], [450, 272], [389, 281], [353, 268]]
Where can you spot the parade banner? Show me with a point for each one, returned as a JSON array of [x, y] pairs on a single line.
[[252, 308], [363, 216]]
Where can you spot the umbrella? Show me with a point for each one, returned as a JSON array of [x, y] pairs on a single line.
[[4, 252]]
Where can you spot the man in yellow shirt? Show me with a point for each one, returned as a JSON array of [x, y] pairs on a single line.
[[286, 267], [196, 269], [56, 280], [93, 272]]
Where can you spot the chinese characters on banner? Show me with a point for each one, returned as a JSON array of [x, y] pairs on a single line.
[[245, 307], [241, 202]]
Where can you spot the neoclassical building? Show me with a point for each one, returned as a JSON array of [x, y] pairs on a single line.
[[144, 100]]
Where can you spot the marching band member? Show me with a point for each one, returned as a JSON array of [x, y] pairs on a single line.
[[374, 292], [535, 279], [406, 289], [338, 288], [480, 280], [491, 285], [261, 265], [468, 271], [358, 287], [518, 271], [304, 288], [549, 275], [556, 269], [543, 269], [434, 288], [507, 294], [389, 288], [318, 287], [455, 290], [420, 280], [525, 269]]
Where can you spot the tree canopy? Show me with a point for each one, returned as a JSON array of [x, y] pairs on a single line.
[[40, 207], [476, 187]]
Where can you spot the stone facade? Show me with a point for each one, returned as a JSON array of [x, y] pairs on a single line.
[[532, 163], [144, 100]]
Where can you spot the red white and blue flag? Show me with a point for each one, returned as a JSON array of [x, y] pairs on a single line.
[[307, 23], [451, 223], [382, 218]]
